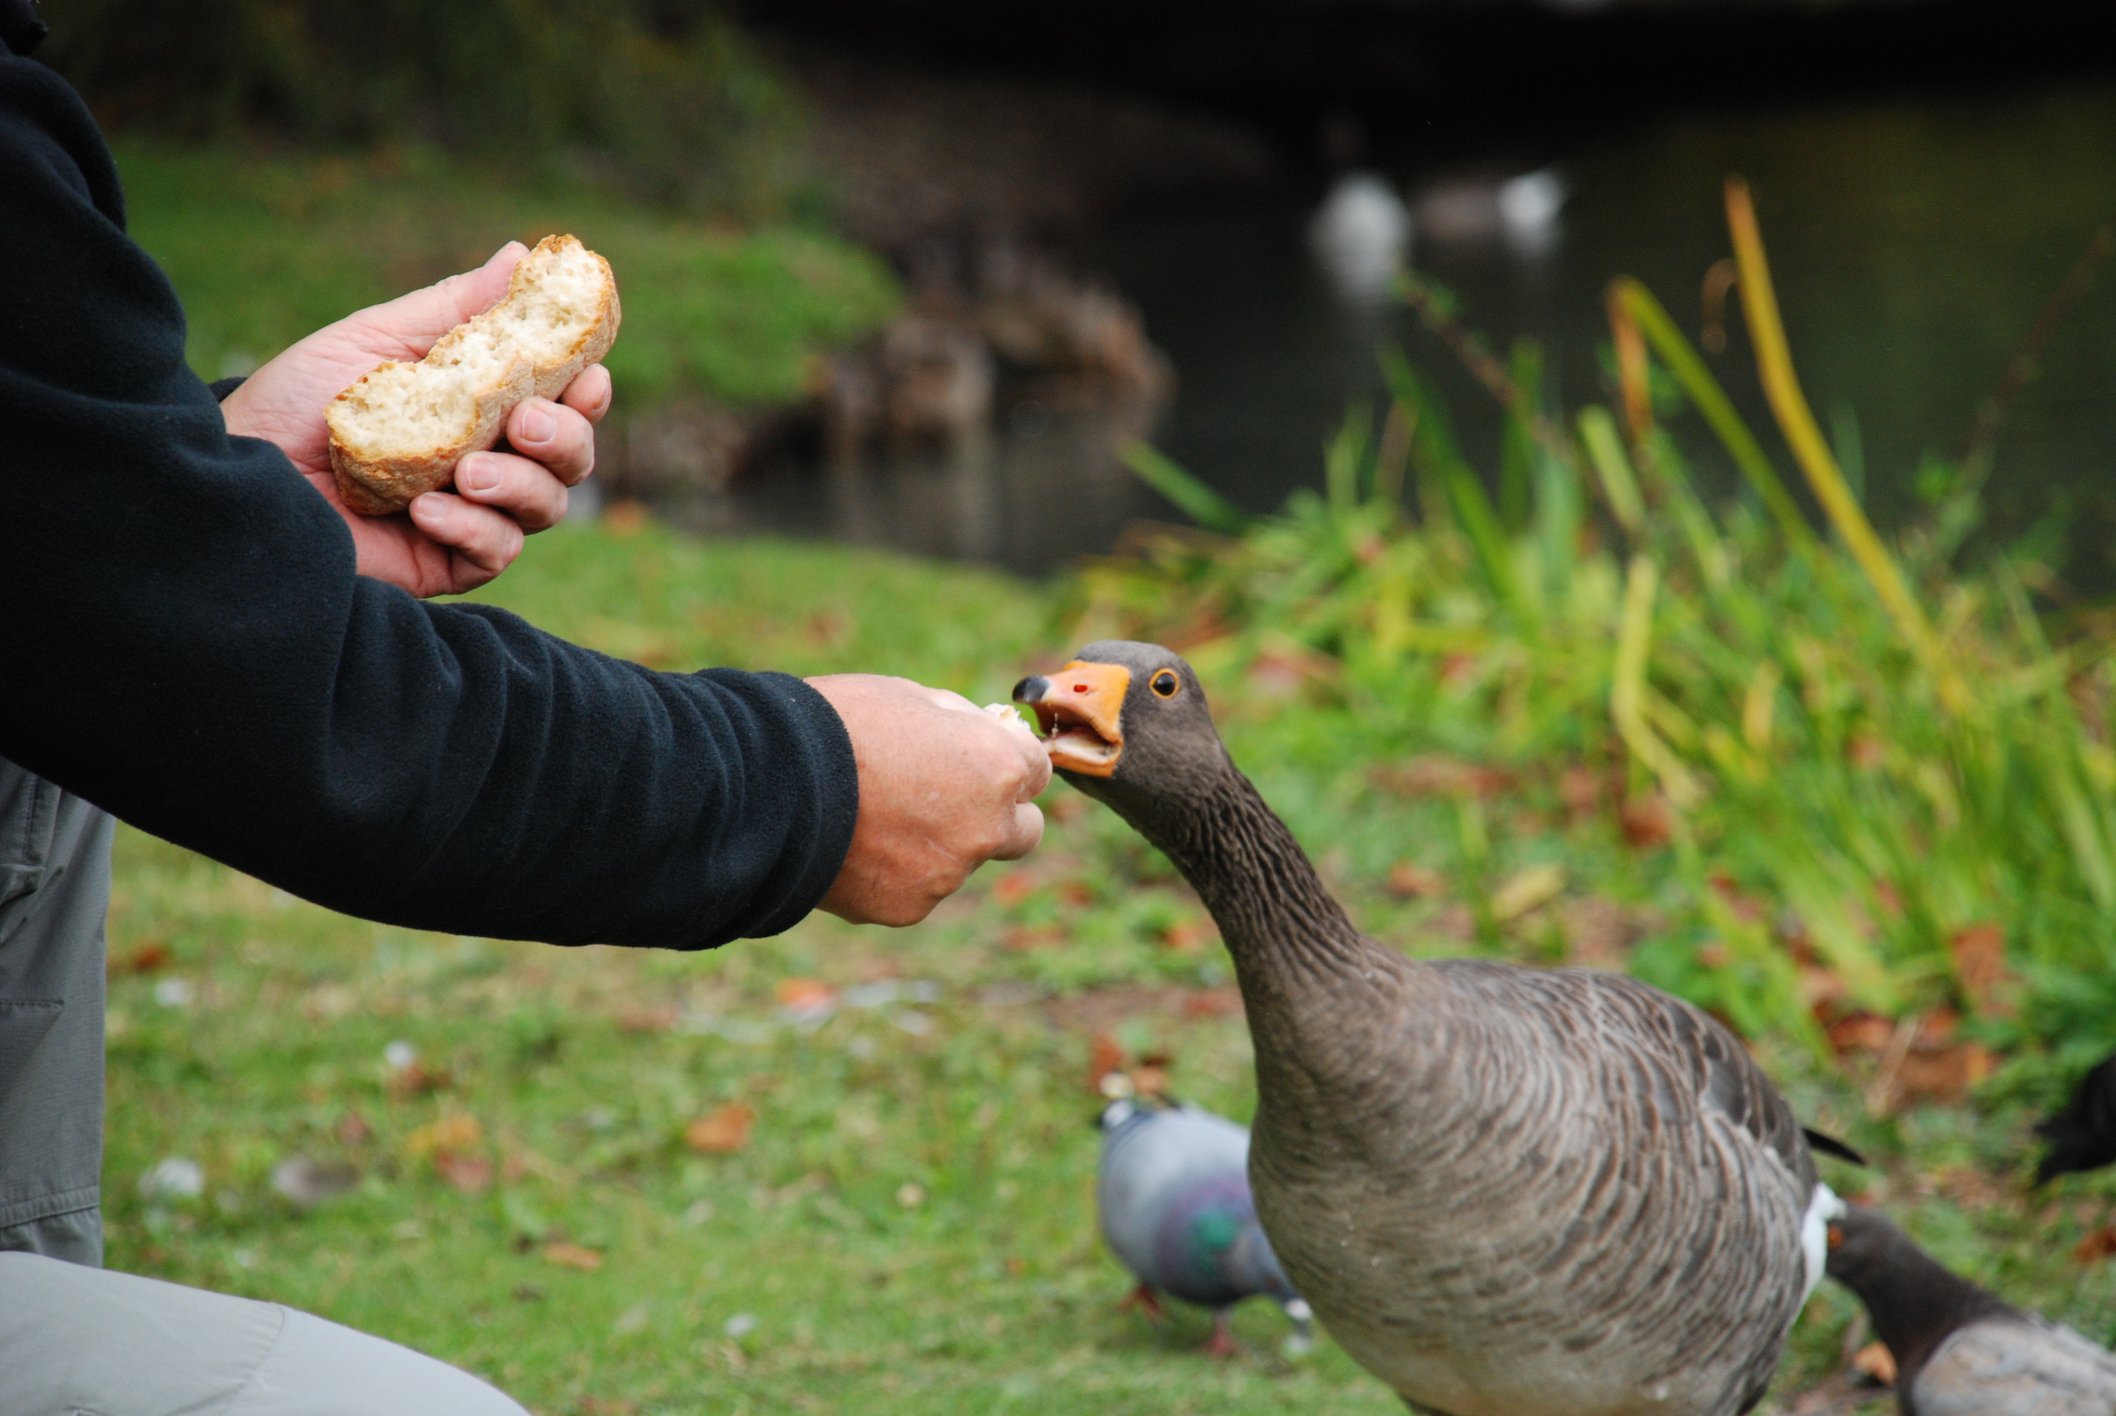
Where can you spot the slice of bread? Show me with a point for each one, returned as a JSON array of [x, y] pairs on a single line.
[[399, 431]]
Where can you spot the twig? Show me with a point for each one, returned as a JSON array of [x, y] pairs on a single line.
[[2027, 356]]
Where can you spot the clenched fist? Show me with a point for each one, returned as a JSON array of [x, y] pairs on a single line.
[[944, 787]]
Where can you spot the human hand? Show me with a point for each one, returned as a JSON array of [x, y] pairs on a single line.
[[944, 787], [446, 542]]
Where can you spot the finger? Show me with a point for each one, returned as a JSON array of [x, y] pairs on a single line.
[[423, 316], [484, 542], [590, 393], [951, 700], [559, 437], [1036, 759], [1024, 832], [529, 492]]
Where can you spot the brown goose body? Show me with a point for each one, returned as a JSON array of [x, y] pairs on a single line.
[[1505, 1192]]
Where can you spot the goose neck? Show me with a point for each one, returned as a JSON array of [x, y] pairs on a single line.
[[1278, 919]]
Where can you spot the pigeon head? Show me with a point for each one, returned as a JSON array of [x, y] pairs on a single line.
[[1866, 1250], [1128, 724]]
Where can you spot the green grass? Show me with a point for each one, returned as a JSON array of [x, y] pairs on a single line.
[[909, 1229], [263, 249], [1557, 712]]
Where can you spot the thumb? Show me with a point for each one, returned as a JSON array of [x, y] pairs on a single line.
[[423, 316]]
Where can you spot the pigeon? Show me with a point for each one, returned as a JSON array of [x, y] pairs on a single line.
[[2082, 1136], [1172, 1196], [1960, 1350]]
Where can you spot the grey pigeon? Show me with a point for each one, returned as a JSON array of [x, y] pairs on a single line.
[[2082, 1135], [1506, 1191], [1172, 1196], [1960, 1350]]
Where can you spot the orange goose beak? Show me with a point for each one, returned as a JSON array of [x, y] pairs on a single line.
[[1080, 710]]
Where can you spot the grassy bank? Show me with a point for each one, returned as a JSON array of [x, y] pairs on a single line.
[[264, 248]]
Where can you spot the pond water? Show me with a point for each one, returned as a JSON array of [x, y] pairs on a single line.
[[1914, 243]]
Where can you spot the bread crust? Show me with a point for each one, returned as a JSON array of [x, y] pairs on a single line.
[[375, 484]]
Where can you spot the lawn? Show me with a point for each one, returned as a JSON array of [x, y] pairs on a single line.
[[849, 1169], [736, 312]]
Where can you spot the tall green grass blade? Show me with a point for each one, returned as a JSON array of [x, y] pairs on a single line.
[[1605, 453], [1434, 454], [1774, 363], [1627, 688], [1713, 406], [1480, 523], [1346, 461], [1199, 502], [1517, 446]]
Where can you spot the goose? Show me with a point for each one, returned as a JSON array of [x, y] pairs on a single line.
[[1504, 1191], [1359, 235], [1960, 1350], [1172, 1199], [2081, 1135], [1520, 212]]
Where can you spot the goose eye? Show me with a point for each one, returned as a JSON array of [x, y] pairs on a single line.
[[1836, 1235], [1165, 683]]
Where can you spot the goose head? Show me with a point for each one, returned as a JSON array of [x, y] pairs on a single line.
[[1128, 724]]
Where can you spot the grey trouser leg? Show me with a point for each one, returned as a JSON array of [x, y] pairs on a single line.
[[81, 1340], [54, 889]]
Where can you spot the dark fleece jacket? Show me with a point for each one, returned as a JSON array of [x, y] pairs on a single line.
[[183, 641]]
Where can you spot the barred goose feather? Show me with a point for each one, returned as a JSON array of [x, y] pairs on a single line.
[[1504, 1191]]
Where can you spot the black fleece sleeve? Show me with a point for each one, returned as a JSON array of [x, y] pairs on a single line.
[[183, 640]]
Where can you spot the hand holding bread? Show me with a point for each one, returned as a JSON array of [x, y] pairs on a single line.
[[461, 536], [400, 430]]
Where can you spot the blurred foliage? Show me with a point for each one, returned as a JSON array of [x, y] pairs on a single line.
[[1863, 779], [663, 98], [736, 313]]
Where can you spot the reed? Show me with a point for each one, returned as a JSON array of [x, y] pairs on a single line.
[[1870, 750]]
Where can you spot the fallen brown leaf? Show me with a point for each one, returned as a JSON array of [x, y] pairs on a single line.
[[1105, 1055], [472, 1174], [1027, 938], [418, 1079], [1861, 1032], [1647, 821], [1188, 936], [624, 517], [1580, 789], [573, 1256], [1413, 881], [804, 995], [2097, 1247], [660, 1017], [1980, 966], [150, 956], [1014, 887], [722, 1131], [1443, 776], [457, 1132], [1212, 1002]]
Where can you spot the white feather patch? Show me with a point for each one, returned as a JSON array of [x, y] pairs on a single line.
[[1822, 1207]]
